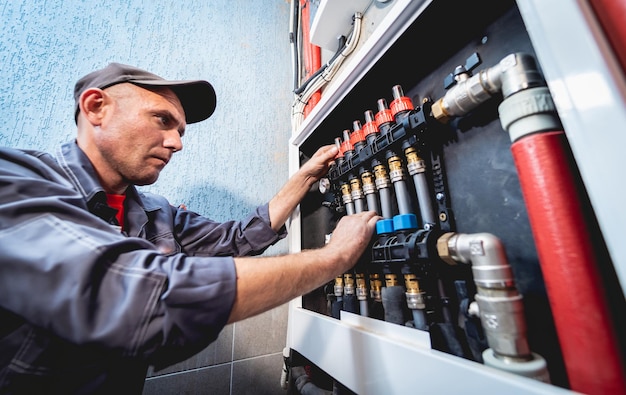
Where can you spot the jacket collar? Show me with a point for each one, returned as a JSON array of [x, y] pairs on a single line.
[[79, 170], [82, 175]]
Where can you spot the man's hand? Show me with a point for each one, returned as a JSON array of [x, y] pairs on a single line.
[[282, 205], [266, 282], [351, 236], [317, 167]]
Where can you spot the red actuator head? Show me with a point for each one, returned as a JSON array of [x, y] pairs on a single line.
[[357, 134], [370, 126], [400, 103], [346, 146], [384, 115]]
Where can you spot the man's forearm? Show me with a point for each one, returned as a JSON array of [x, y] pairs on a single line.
[[267, 282], [287, 199]]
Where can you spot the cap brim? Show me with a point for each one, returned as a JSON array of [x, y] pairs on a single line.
[[197, 97]]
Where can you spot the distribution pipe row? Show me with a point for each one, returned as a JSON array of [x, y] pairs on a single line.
[[361, 188], [370, 160], [402, 244], [379, 144], [390, 131]]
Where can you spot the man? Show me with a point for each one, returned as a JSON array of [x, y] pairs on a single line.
[[99, 280]]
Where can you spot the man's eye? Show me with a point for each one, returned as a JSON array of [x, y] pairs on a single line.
[[164, 119]]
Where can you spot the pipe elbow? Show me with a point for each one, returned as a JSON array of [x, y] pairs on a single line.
[[484, 252], [483, 248], [499, 303]]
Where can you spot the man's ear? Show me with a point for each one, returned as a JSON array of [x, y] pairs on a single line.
[[92, 104]]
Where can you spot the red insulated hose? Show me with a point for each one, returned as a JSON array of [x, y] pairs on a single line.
[[314, 64], [312, 53], [589, 342]]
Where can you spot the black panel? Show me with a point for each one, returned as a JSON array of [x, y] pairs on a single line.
[[481, 180]]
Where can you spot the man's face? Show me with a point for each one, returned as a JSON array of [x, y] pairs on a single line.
[[139, 134]]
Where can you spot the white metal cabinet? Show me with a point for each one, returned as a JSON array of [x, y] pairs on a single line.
[[374, 357]]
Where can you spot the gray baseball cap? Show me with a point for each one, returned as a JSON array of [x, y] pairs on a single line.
[[196, 96]]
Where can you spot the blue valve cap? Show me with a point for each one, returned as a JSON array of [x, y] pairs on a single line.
[[384, 226], [404, 222]]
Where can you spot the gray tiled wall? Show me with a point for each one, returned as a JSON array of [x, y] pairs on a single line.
[[245, 359]]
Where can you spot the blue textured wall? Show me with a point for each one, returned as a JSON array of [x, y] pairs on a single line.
[[229, 164]]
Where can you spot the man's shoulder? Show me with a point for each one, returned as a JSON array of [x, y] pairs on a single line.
[[25, 158], [21, 151]]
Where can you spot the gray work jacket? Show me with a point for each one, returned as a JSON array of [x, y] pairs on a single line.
[[85, 308]]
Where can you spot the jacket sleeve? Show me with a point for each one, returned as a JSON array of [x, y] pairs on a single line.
[[250, 237], [69, 272]]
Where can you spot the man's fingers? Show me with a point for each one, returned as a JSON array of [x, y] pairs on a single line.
[[329, 152], [374, 219], [370, 215]]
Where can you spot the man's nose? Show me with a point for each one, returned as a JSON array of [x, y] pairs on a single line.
[[173, 140]]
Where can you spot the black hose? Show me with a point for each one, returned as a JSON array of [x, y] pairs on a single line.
[[351, 304], [335, 308], [293, 37], [393, 300], [342, 44]]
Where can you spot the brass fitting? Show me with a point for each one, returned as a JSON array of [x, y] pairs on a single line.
[[439, 112], [356, 190], [361, 286], [414, 163], [396, 171], [346, 193], [368, 182], [391, 280], [414, 295], [348, 284], [375, 287], [381, 177], [443, 248], [338, 288]]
